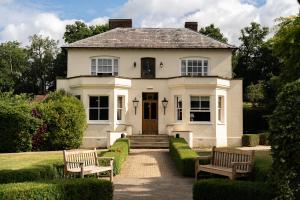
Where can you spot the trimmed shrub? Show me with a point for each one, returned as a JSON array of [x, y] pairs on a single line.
[[119, 151], [264, 138], [43, 172], [17, 125], [72, 189], [183, 156], [215, 189], [65, 118], [285, 141], [250, 140]]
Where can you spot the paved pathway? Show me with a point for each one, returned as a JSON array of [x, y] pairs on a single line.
[[151, 174]]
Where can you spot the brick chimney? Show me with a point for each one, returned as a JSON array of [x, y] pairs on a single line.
[[122, 23], [191, 25]]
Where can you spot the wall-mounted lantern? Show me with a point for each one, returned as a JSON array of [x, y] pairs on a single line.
[[161, 65], [164, 103], [134, 64], [135, 104]]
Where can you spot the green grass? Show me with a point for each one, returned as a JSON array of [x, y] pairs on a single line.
[[15, 161]]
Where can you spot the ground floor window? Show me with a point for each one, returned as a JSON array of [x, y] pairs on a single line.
[[98, 107], [178, 108], [200, 108], [120, 106], [221, 109]]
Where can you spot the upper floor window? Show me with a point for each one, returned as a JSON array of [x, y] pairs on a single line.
[[194, 67], [105, 66]]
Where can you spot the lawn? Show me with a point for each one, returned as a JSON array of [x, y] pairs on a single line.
[[15, 161]]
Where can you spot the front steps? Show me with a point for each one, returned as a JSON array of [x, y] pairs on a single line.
[[149, 141]]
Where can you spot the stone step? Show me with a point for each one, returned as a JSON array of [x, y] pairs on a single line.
[[149, 146], [149, 141]]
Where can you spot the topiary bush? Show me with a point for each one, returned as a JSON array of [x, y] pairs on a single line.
[[183, 156], [65, 120], [285, 141], [250, 140], [216, 189], [72, 189], [17, 125], [264, 138], [119, 151]]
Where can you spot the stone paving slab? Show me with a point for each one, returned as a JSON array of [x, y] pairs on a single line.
[[150, 174]]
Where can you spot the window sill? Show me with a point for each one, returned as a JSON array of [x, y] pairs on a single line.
[[99, 122], [220, 123], [200, 123]]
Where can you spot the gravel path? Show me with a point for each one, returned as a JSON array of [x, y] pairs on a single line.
[[151, 174]]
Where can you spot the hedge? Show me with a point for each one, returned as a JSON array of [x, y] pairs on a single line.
[[43, 172], [215, 189], [250, 140], [183, 156], [72, 189], [119, 151]]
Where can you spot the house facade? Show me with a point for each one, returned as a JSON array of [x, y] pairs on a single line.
[[155, 81]]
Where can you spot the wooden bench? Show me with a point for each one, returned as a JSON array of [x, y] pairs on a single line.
[[227, 162], [85, 162]]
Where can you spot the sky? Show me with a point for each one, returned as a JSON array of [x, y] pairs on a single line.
[[21, 18]]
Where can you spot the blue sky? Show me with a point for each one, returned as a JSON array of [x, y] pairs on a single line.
[[21, 18]]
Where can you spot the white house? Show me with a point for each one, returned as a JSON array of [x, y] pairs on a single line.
[[155, 81]]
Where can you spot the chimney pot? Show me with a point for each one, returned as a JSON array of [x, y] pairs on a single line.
[[120, 23], [191, 25]]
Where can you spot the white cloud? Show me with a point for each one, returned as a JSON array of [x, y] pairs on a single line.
[[18, 23]]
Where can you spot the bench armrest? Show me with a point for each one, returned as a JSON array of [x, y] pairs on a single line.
[[202, 158], [105, 158]]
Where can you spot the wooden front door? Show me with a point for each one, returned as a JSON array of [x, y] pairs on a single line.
[[150, 113], [148, 68]]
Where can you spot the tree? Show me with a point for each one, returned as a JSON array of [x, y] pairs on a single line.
[[255, 93], [286, 45], [285, 142], [249, 57], [13, 63], [213, 32], [80, 30], [40, 77]]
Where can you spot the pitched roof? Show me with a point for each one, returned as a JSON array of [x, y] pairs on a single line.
[[152, 38]]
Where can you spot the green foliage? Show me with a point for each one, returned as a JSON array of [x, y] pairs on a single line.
[[72, 189], [264, 138], [250, 140], [17, 125], [183, 156], [215, 189], [45, 171], [13, 62], [255, 93], [255, 119], [65, 119], [286, 45], [80, 30], [213, 32], [119, 151], [285, 141]]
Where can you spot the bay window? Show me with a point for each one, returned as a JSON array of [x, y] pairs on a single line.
[[194, 67], [200, 108], [98, 108], [105, 66]]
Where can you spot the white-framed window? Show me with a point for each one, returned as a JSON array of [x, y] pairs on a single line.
[[105, 66], [221, 109], [200, 109], [194, 67], [99, 108], [178, 108], [120, 107]]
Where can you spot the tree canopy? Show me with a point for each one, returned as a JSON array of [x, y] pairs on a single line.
[[213, 32]]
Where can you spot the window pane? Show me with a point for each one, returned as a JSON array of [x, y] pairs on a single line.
[[100, 62], [194, 62], [190, 63], [104, 62], [104, 101], [146, 110], [103, 114], [199, 62], [120, 100], [119, 114], [205, 62], [94, 102], [190, 69], [179, 114], [109, 62], [179, 102], [153, 110], [195, 104], [93, 62], [205, 105], [200, 116], [93, 114]]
